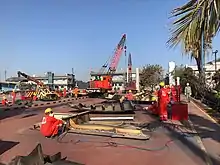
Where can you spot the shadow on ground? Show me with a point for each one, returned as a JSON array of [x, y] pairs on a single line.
[[188, 141], [205, 128], [192, 146], [6, 145], [29, 115]]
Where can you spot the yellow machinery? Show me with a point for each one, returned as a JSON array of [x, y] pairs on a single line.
[[42, 91]]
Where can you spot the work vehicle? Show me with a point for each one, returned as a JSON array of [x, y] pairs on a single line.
[[42, 91], [102, 82]]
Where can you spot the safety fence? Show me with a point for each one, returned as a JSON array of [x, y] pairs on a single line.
[[39, 104]]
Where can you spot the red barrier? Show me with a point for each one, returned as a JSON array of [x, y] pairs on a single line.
[[179, 111]]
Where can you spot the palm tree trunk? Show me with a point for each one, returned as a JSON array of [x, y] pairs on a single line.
[[198, 63]]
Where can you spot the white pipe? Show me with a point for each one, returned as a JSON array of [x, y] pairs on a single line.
[[177, 81], [111, 118], [137, 80], [171, 67]]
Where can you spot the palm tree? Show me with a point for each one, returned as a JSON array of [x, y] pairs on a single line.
[[197, 22]]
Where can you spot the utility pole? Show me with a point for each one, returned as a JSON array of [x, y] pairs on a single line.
[[215, 53], [5, 75]]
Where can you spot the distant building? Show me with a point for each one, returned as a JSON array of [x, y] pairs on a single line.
[[62, 81], [119, 79], [209, 69], [7, 86]]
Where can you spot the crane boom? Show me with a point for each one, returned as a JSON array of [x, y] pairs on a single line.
[[29, 78], [129, 68], [102, 82], [118, 52]]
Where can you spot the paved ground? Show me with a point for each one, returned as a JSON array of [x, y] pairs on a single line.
[[93, 150], [208, 130]]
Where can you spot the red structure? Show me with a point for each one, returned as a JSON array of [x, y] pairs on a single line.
[[131, 85], [103, 82], [179, 111]]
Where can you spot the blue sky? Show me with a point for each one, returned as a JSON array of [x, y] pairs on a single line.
[[55, 35]]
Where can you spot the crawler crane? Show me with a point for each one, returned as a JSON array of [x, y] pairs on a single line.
[[102, 82]]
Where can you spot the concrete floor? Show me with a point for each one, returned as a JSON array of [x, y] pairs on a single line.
[[92, 150]]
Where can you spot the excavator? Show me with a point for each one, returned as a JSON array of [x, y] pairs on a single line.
[[42, 91]]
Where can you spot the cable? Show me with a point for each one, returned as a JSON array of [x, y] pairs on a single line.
[[116, 144], [148, 127]]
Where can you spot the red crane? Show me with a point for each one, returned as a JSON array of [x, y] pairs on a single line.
[[130, 85], [103, 81], [129, 68]]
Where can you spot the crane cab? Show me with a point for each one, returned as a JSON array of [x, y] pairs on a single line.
[[100, 83], [106, 82]]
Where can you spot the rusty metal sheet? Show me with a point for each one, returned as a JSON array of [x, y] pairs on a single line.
[[105, 107], [104, 130], [110, 134]]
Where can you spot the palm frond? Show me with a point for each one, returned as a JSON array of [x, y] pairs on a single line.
[[194, 19]]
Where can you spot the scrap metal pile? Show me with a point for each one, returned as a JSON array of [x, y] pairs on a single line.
[[36, 157], [111, 118], [143, 96]]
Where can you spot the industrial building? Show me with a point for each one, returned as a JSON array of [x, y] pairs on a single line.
[[119, 79], [50, 78], [210, 69]]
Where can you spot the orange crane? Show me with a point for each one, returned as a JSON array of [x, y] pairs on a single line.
[[102, 83]]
